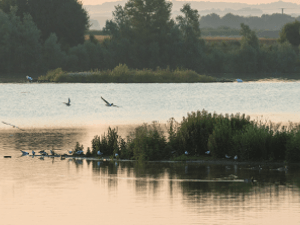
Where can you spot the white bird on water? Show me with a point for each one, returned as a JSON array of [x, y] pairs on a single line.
[[227, 156], [43, 152], [24, 153], [207, 152], [108, 104], [99, 153], [29, 78], [186, 152], [68, 103]]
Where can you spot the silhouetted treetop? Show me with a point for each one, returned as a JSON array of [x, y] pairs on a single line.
[[66, 18]]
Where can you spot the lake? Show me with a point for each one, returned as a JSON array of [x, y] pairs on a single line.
[[36, 190]]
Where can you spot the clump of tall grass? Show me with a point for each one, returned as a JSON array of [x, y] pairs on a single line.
[[54, 75], [108, 144], [147, 142], [201, 131], [122, 74]]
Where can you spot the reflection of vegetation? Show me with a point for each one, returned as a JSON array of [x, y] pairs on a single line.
[[200, 132]]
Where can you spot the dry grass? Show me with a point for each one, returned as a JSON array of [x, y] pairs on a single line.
[[267, 41], [100, 38]]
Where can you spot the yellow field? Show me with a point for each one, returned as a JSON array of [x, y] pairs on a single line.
[[100, 38], [268, 41]]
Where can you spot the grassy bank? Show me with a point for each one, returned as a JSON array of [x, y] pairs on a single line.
[[122, 74], [202, 132]]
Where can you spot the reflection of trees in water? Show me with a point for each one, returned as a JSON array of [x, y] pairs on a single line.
[[60, 139], [150, 176]]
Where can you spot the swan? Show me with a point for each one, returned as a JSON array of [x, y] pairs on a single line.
[[108, 104]]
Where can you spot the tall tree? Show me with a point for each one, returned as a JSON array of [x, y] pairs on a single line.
[[19, 43], [291, 33], [189, 25], [66, 18]]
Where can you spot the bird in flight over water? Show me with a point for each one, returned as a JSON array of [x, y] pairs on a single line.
[[108, 104], [14, 126], [68, 103]]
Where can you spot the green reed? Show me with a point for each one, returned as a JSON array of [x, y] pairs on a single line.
[[122, 74], [200, 132]]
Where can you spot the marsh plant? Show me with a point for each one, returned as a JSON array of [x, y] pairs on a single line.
[[200, 132], [122, 74]]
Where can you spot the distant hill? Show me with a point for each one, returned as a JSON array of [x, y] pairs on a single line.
[[103, 12]]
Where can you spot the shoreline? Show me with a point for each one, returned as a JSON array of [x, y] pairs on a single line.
[[196, 161]]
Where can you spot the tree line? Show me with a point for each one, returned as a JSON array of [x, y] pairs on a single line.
[[265, 22], [142, 35]]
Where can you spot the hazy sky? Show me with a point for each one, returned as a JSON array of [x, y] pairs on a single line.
[[99, 2]]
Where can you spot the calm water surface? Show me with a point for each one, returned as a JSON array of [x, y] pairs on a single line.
[[80, 191]]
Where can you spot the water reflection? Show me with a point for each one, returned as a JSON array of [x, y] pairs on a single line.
[[194, 179], [59, 139]]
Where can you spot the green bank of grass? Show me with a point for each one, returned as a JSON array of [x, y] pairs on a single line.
[[199, 132], [122, 74]]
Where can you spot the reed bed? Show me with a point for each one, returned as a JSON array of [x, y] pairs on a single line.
[[200, 133], [122, 74]]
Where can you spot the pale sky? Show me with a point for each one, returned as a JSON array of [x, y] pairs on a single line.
[[252, 2]]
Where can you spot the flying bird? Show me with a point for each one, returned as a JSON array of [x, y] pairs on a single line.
[[68, 103], [14, 126], [108, 104]]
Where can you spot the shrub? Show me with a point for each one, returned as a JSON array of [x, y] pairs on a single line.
[[53, 75], [253, 143], [147, 142], [293, 148], [220, 141], [107, 144]]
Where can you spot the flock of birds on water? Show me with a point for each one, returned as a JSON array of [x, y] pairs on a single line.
[[52, 153]]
